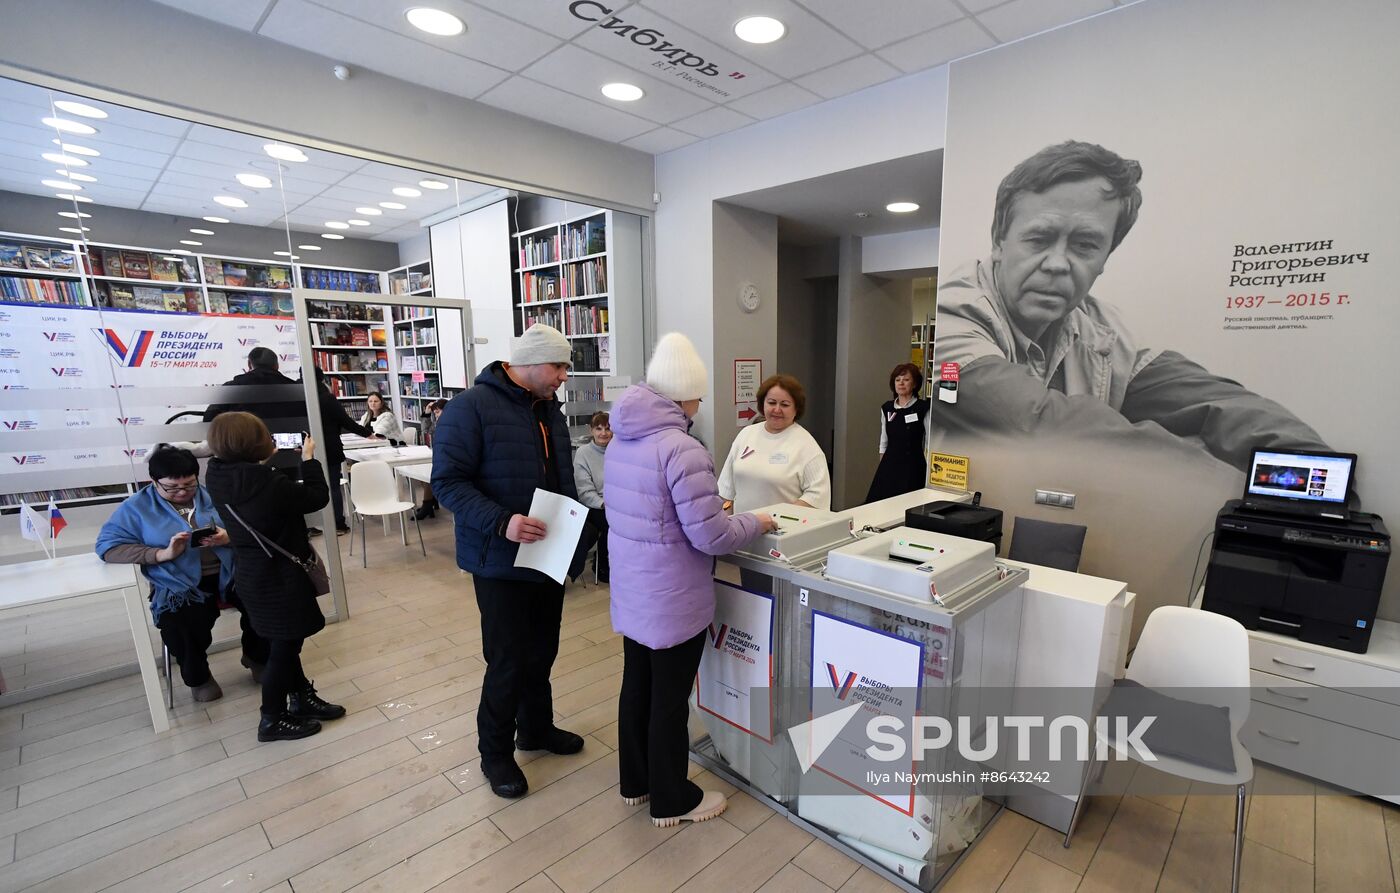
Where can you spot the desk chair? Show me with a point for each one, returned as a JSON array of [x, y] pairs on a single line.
[[1047, 543], [374, 491], [1204, 657]]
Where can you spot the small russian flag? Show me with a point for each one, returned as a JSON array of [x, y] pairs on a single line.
[[56, 522]]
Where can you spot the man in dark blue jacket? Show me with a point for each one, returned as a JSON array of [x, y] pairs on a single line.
[[494, 445]]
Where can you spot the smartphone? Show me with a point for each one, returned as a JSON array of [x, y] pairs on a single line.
[[201, 534], [290, 441]]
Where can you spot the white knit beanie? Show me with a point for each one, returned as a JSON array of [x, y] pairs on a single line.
[[539, 344], [676, 370]]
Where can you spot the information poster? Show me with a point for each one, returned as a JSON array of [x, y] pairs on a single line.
[[748, 375], [947, 470], [735, 682], [851, 662]]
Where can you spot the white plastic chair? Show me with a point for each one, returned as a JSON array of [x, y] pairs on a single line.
[[1205, 656], [410, 435], [374, 492]]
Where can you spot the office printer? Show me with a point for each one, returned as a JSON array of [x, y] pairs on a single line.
[[973, 522], [1318, 579]]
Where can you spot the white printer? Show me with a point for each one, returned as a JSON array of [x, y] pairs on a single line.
[[803, 534], [914, 564]]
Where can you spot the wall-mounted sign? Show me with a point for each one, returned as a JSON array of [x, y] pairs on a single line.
[[947, 470], [748, 375]]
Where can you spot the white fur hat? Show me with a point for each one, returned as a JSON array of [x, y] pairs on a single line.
[[676, 370], [539, 344]]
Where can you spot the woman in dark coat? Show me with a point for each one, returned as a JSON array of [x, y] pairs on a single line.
[[277, 593], [902, 435]]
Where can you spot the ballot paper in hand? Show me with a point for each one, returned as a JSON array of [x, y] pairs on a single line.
[[563, 520]]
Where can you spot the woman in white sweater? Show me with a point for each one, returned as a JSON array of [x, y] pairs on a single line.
[[381, 419], [777, 461]]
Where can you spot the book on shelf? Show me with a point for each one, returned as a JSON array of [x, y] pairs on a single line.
[[585, 237], [237, 305], [36, 258], [41, 291], [214, 271], [218, 302], [378, 337], [119, 295], [112, 262], [260, 305], [11, 257], [589, 277], [359, 337], [61, 260], [174, 301], [284, 306], [164, 269], [235, 275], [188, 273], [408, 364], [136, 264], [146, 297], [257, 277], [279, 277], [539, 249]]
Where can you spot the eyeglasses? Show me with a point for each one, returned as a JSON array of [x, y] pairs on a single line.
[[183, 488]]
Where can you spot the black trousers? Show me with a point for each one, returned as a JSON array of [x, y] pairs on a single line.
[[519, 640], [255, 647], [598, 519], [652, 740], [189, 631], [282, 676], [337, 495]]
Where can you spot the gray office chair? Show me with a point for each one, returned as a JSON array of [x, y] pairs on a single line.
[[1047, 543]]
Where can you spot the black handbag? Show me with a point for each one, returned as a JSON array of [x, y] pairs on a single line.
[[315, 568]]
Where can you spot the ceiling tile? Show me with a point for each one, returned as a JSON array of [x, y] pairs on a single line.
[[714, 122], [662, 139], [490, 37], [810, 43], [775, 101], [666, 64], [243, 14], [976, 6], [849, 76], [962, 38], [526, 97], [551, 16], [307, 26], [875, 23], [583, 73], [1022, 18]]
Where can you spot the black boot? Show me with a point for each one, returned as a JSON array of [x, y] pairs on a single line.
[[427, 510], [306, 704], [286, 728]]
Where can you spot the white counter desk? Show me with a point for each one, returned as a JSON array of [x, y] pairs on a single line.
[[41, 582]]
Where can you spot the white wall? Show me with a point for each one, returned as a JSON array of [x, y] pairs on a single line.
[[204, 69], [900, 252], [898, 118], [745, 252], [472, 261]]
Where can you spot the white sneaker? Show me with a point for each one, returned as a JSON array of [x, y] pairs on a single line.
[[711, 805]]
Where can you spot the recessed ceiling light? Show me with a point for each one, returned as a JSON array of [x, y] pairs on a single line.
[[622, 92], [331, 236], [309, 247], [71, 149], [432, 184], [76, 177], [337, 224], [759, 29], [284, 152], [230, 201], [901, 207], [217, 219], [66, 126], [202, 232], [286, 254], [79, 109], [407, 191], [369, 212], [353, 222], [190, 242], [393, 206], [61, 184], [75, 229], [68, 196], [435, 21], [254, 181], [76, 215], [66, 160]]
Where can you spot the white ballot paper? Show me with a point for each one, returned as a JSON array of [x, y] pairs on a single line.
[[563, 522]]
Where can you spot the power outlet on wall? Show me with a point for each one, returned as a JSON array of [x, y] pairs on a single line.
[[1055, 498]]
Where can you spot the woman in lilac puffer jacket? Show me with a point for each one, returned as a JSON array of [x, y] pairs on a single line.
[[665, 523]]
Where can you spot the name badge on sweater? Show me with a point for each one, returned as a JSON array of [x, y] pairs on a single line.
[[911, 417], [778, 459]]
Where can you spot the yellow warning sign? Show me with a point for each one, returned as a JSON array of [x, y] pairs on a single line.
[[947, 470]]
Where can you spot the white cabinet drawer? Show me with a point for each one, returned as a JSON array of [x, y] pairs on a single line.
[[1351, 758], [1335, 670], [1330, 704]]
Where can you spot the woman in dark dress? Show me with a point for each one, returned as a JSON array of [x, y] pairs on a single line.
[[277, 593], [903, 422]]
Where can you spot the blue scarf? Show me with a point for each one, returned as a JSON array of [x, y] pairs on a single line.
[[147, 519]]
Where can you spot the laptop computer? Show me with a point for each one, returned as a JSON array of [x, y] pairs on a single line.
[[1311, 484]]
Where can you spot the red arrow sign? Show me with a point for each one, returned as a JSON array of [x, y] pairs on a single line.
[[747, 414]]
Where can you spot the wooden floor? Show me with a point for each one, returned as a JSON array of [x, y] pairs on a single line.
[[391, 797]]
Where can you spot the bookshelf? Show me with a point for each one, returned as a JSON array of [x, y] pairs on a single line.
[[582, 275], [350, 344], [41, 271]]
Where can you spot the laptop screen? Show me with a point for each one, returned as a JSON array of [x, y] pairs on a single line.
[[1321, 478]]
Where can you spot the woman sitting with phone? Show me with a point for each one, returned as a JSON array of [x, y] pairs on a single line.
[[172, 530]]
